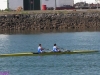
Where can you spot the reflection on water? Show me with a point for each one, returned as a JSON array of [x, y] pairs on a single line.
[[4, 43], [46, 31]]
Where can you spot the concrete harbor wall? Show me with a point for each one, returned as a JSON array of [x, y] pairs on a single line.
[[50, 21]]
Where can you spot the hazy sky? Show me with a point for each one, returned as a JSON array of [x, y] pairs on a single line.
[[88, 1]]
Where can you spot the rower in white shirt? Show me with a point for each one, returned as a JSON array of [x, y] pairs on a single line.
[[40, 49], [55, 48]]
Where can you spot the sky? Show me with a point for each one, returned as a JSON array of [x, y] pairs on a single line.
[[87, 1]]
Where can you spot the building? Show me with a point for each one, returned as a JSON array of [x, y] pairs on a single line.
[[35, 4], [3, 4], [57, 3]]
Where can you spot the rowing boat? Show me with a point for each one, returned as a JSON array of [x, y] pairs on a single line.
[[48, 53]]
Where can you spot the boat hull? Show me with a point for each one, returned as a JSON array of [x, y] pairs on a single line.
[[48, 53]]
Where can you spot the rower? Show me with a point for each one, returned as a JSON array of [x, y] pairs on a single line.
[[55, 49], [40, 49]]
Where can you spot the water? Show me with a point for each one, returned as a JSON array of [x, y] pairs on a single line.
[[68, 64]]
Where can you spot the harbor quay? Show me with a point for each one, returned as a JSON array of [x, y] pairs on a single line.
[[50, 20]]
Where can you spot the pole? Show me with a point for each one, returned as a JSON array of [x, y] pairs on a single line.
[[55, 4], [8, 4]]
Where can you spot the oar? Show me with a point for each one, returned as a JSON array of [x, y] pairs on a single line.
[[64, 49], [48, 50], [61, 48], [45, 49]]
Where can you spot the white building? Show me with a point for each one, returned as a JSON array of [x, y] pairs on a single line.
[[33, 4], [3, 4], [12, 4], [57, 3]]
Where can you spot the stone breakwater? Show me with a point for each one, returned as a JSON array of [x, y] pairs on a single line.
[[50, 21]]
